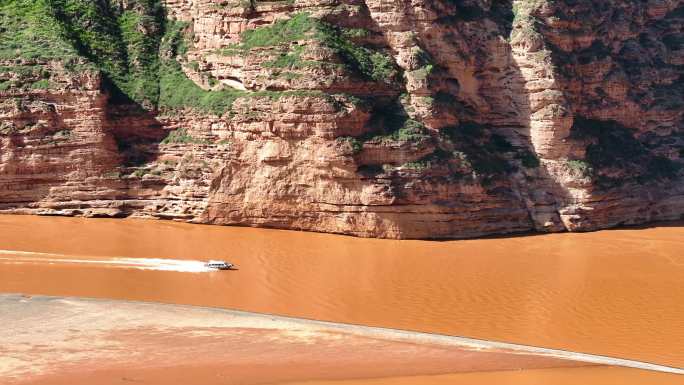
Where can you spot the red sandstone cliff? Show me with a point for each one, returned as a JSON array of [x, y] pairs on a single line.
[[513, 116]]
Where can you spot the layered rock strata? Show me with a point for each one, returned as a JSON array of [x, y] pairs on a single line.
[[398, 119]]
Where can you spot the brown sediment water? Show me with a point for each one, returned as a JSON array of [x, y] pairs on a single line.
[[617, 293], [555, 376]]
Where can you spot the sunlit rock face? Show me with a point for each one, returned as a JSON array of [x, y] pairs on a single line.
[[398, 119]]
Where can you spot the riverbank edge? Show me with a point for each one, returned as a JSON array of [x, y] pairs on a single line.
[[401, 335], [495, 235]]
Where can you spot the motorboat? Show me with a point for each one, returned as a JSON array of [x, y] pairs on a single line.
[[220, 265]]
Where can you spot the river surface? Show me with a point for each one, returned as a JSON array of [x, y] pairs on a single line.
[[617, 293]]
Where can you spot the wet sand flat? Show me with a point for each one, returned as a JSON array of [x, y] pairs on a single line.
[[215, 375], [617, 293], [50, 340]]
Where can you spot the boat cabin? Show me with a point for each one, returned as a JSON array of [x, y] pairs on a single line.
[[220, 265]]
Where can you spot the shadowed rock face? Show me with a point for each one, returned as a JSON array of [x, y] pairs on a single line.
[[402, 119]]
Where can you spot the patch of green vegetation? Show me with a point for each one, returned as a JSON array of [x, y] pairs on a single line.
[[580, 167], [289, 75], [291, 59], [423, 72], [26, 71], [137, 50], [43, 84], [229, 51], [369, 63], [526, 24], [528, 159], [281, 32], [24, 77], [350, 144], [483, 150], [614, 147], [177, 91], [180, 136], [418, 165], [142, 52], [393, 124], [124, 45], [409, 131], [173, 43], [28, 31], [115, 174], [355, 33], [62, 134], [91, 27], [139, 173], [469, 150], [93, 35]]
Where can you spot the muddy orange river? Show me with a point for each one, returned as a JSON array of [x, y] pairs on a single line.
[[617, 293]]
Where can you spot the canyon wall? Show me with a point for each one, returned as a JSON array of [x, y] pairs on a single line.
[[376, 118]]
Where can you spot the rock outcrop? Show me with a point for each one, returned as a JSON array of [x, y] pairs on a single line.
[[397, 119]]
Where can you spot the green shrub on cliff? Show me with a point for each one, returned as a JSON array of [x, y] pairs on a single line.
[[123, 43], [367, 62], [176, 90], [97, 35], [613, 148], [293, 60], [580, 167], [485, 152], [280, 32], [41, 84], [528, 159], [141, 35], [409, 131], [91, 27], [179, 136], [140, 53], [350, 144], [393, 124], [29, 31]]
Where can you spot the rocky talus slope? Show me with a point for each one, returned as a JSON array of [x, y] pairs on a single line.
[[378, 118]]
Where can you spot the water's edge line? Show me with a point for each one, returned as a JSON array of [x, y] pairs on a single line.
[[404, 335]]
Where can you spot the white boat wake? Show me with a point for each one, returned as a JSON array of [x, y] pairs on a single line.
[[160, 264]]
